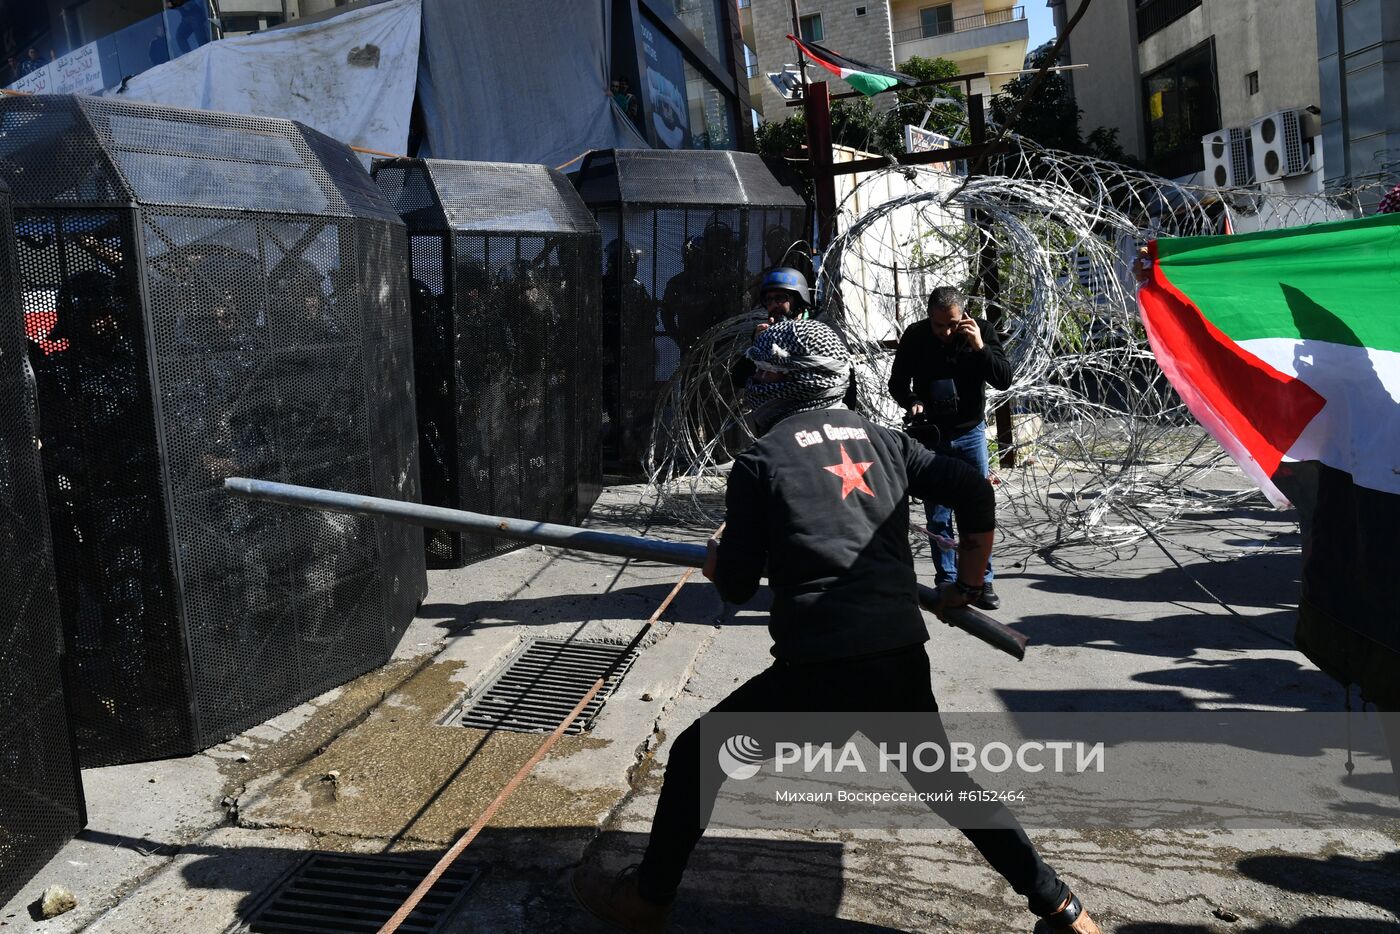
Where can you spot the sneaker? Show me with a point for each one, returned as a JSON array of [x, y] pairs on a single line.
[[617, 901], [1072, 917], [989, 599]]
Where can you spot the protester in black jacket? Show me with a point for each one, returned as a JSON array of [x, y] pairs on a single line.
[[820, 501], [938, 377]]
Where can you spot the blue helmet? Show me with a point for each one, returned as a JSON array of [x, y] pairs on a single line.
[[787, 279]]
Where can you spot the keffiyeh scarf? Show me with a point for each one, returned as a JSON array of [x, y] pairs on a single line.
[[808, 368]]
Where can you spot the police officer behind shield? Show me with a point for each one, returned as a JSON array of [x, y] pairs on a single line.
[[939, 376]]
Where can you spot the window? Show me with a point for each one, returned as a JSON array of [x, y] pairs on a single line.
[[936, 20], [711, 114], [705, 19], [1155, 15], [811, 28], [860, 11], [1251, 82], [1182, 104]]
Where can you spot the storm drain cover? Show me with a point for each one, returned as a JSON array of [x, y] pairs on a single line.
[[345, 893], [535, 690]]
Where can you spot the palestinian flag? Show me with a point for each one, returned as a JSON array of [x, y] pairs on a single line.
[[867, 79], [1285, 345]]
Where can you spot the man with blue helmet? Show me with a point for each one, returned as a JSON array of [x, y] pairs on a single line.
[[785, 296]]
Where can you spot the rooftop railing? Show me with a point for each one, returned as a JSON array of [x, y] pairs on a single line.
[[945, 27]]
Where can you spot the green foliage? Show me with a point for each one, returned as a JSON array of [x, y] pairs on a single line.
[[945, 118], [856, 123], [1103, 142], [1050, 116], [775, 137]]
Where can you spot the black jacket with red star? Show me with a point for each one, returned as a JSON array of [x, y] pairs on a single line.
[[821, 500]]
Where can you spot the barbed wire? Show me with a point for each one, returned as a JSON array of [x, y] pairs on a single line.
[[1104, 448]]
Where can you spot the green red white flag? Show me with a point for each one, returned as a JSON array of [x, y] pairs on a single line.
[[867, 79], [1285, 344]]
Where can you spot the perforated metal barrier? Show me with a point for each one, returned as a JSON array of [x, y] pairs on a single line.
[[686, 235], [505, 298], [211, 295], [41, 799]]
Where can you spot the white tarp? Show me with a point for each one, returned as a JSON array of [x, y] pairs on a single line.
[[524, 81], [351, 76]]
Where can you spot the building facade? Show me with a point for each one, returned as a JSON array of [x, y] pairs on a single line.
[[685, 65], [1168, 73], [979, 36], [1358, 66]]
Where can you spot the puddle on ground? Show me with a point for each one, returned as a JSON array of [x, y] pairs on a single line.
[[399, 772]]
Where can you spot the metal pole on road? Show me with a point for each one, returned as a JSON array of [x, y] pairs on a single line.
[[642, 548]]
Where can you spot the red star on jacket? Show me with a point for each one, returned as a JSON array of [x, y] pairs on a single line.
[[851, 474]]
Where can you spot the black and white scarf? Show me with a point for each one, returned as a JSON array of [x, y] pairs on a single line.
[[813, 367]]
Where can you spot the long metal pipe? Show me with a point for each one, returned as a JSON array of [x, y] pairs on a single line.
[[640, 547]]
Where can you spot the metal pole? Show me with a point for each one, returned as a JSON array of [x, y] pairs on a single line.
[[456, 520], [801, 56], [639, 547]]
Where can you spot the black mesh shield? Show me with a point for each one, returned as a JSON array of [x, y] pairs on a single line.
[[244, 314], [696, 177], [686, 237], [41, 803], [126, 648], [504, 261]]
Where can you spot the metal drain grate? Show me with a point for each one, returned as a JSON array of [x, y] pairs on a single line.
[[545, 680], [344, 893]]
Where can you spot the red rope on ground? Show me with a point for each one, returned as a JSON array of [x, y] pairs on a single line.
[[456, 849]]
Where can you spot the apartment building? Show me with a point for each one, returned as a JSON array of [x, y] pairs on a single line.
[[1358, 66], [988, 36], [1170, 74]]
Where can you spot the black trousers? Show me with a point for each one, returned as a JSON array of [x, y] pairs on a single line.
[[889, 682]]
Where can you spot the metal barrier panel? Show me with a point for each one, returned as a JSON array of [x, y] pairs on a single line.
[[504, 260], [686, 237], [244, 312], [127, 651], [41, 799]]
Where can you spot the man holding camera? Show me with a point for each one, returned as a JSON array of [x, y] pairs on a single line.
[[939, 376]]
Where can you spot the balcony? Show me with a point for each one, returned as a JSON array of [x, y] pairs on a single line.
[[746, 22], [950, 37]]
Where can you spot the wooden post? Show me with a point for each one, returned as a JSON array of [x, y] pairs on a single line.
[[989, 286], [816, 107]]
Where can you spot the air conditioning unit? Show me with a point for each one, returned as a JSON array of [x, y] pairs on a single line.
[[1228, 162], [1278, 146]]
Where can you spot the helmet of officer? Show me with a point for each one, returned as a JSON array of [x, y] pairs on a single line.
[[787, 279], [623, 257]]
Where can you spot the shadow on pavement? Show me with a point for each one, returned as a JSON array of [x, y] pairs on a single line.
[[697, 602], [1374, 881], [1304, 926], [734, 885], [1265, 579]]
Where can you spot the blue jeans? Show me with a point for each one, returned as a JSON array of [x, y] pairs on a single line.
[[971, 448]]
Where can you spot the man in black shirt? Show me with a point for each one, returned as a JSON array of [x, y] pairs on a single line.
[[938, 377], [821, 501]]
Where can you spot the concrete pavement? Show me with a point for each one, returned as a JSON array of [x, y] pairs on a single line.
[[191, 844]]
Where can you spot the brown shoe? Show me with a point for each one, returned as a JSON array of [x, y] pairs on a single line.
[[1071, 917], [616, 900]]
